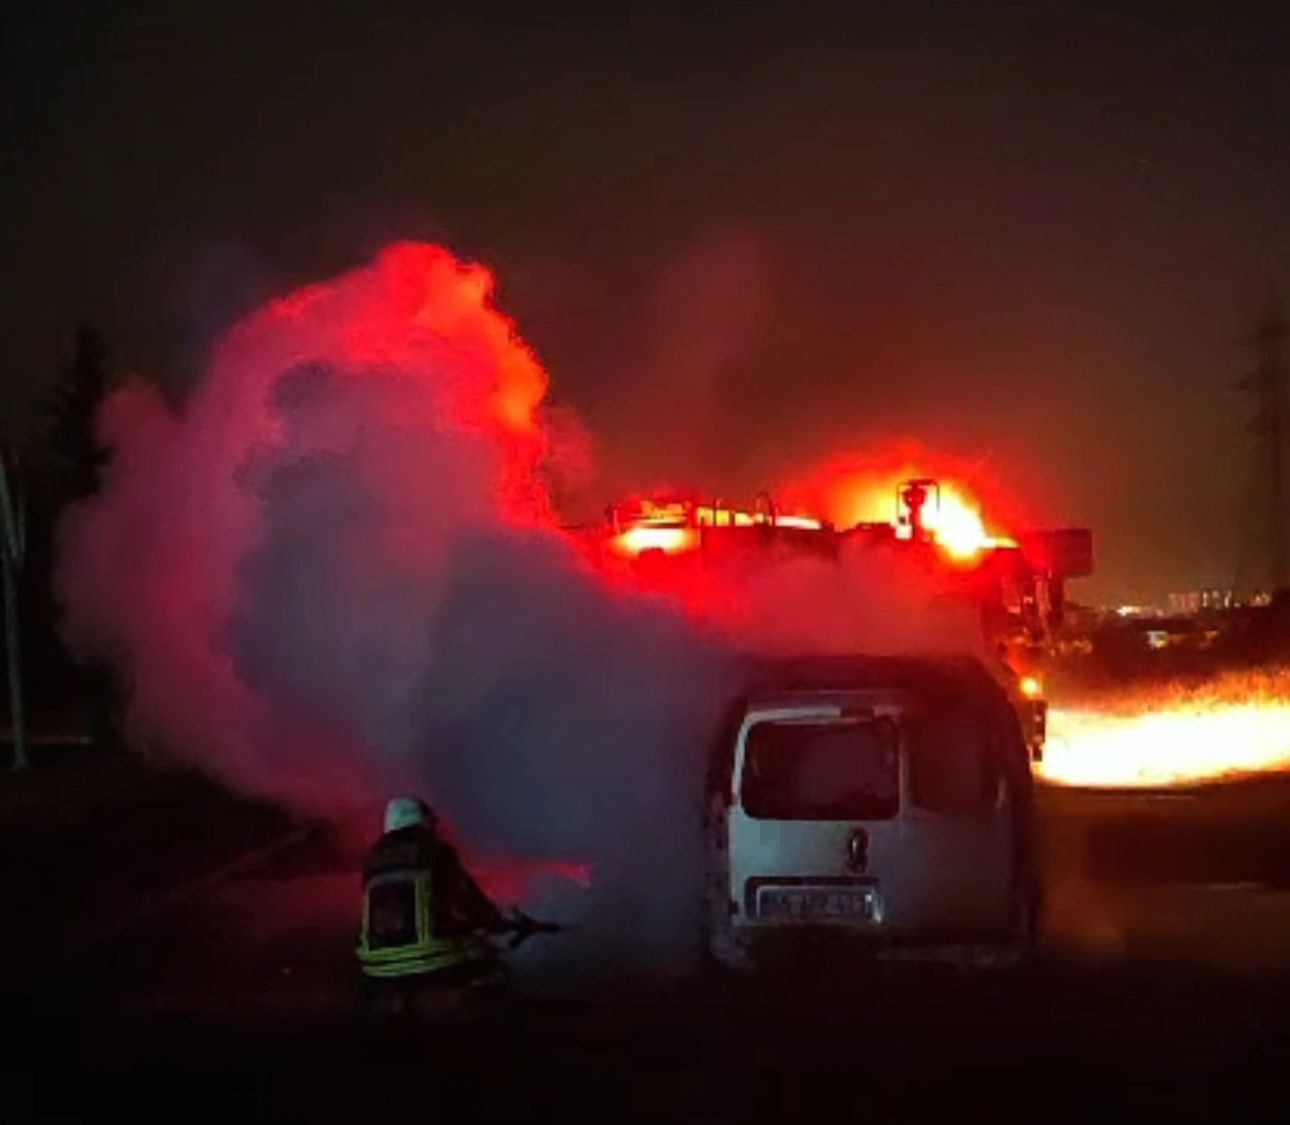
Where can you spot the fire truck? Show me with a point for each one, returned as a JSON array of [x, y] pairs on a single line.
[[1016, 585]]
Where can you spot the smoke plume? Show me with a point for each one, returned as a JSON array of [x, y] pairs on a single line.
[[334, 573]]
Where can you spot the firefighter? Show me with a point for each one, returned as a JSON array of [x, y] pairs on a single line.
[[424, 917]]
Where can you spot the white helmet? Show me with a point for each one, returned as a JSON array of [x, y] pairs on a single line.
[[408, 812]]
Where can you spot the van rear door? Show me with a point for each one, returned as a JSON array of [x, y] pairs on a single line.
[[880, 814], [817, 792]]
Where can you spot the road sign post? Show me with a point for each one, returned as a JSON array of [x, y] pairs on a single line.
[[12, 554]]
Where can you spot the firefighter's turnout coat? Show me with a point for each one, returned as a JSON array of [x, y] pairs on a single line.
[[422, 912]]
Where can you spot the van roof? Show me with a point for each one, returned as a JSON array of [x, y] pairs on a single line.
[[805, 697], [955, 674], [953, 680]]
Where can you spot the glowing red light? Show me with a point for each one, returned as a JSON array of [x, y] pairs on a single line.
[[669, 540]]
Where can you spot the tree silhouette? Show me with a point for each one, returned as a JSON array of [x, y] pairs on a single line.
[[79, 458], [13, 549]]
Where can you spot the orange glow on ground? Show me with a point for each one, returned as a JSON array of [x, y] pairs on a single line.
[[1237, 725]]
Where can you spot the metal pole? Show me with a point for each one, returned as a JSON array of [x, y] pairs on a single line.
[[1267, 384], [11, 560], [1271, 334]]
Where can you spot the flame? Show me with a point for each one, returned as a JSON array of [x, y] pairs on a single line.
[[707, 515], [672, 527], [804, 523], [956, 523], [1237, 725], [669, 540], [860, 487], [958, 526]]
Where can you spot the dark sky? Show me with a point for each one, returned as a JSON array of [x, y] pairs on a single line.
[[1033, 233]]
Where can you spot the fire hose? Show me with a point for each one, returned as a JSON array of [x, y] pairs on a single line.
[[522, 927]]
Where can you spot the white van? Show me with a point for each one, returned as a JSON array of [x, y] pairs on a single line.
[[883, 801]]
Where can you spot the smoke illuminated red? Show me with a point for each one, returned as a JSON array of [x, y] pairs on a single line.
[[402, 374], [335, 573]]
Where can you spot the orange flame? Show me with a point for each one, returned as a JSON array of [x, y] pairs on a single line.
[[1237, 725], [956, 522], [958, 526], [861, 486], [669, 540]]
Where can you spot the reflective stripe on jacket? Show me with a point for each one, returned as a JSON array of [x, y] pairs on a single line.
[[421, 910]]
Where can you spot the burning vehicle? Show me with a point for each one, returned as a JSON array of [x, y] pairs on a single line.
[[881, 800], [311, 613], [1014, 586]]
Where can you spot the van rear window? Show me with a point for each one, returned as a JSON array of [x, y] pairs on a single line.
[[821, 771], [951, 767]]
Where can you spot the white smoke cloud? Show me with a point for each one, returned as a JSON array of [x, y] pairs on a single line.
[[333, 575], [330, 577]]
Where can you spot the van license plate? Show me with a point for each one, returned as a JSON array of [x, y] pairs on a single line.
[[815, 902]]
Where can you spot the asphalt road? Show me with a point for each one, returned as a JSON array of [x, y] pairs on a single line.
[[1162, 991]]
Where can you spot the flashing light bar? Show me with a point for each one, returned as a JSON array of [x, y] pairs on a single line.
[[806, 523], [673, 528], [709, 515]]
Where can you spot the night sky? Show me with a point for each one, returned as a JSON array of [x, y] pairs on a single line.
[[1032, 233]]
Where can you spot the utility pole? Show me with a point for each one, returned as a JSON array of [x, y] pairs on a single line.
[[13, 546], [1266, 385]]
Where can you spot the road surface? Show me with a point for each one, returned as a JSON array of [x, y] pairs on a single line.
[[1163, 991]]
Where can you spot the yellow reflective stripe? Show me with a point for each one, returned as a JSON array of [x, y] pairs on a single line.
[[408, 960], [465, 946], [428, 952]]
